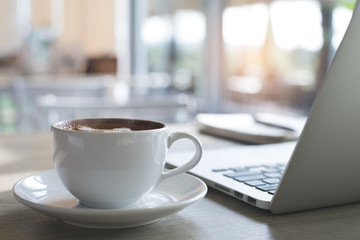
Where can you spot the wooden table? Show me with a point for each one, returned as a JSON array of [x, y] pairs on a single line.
[[217, 216]]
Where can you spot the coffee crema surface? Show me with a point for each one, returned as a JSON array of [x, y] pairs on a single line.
[[108, 125], [90, 129]]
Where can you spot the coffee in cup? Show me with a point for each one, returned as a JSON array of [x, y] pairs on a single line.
[[112, 163]]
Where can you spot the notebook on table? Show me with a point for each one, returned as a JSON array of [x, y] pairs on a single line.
[[321, 168], [262, 128]]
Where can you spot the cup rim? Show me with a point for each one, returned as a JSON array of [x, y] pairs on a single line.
[[57, 125]]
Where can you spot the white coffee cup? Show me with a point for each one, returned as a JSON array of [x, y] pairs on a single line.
[[114, 168]]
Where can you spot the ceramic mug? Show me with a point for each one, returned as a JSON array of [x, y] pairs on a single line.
[[112, 163]]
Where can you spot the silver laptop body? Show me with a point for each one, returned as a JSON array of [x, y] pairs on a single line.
[[323, 168]]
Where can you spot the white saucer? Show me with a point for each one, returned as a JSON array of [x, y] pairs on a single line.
[[45, 193]]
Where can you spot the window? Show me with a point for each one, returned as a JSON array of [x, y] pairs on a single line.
[[273, 55]]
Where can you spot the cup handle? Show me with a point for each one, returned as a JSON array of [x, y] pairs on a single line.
[[190, 164]]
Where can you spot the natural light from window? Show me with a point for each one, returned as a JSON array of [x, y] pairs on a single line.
[[245, 25], [341, 19], [186, 26], [297, 27], [157, 30], [189, 27]]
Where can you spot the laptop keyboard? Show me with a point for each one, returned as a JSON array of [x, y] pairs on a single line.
[[263, 177]]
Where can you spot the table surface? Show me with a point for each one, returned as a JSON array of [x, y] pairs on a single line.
[[217, 216]]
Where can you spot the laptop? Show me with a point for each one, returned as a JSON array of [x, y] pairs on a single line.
[[321, 169]]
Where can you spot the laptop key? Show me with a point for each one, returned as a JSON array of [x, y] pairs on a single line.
[[273, 175], [220, 170], [256, 168], [267, 187], [232, 174], [240, 174], [239, 169], [249, 178], [271, 180], [271, 171], [254, 183]]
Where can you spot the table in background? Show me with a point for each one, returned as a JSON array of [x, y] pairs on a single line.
[[217, 216]]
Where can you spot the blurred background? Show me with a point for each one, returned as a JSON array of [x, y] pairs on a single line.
[[165, 60]]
